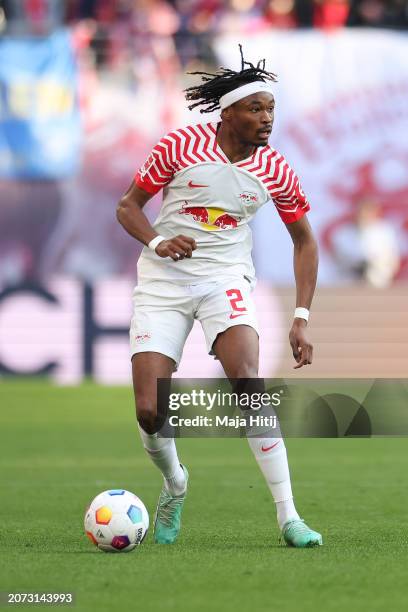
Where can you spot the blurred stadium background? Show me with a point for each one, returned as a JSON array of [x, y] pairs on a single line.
[[88, 86]]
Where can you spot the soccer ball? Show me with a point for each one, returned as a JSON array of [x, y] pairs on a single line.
[[116, 521]]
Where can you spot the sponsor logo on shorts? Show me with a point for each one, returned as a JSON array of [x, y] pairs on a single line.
[[142, 338]]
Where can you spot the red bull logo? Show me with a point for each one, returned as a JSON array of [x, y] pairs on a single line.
[[142, 338], [211, 219], [248, 197]]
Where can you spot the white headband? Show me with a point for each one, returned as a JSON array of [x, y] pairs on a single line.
[[243, 91]]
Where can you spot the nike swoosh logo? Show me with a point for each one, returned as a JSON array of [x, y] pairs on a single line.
[[195, 185], [234, 316], [268, 448]]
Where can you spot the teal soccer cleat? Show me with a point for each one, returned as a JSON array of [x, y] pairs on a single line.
[[296, 533], [167, 521]]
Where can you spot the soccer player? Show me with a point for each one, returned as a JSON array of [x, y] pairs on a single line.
[[197, 264]]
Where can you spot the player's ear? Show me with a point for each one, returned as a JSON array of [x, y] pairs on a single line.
[[226, 114]]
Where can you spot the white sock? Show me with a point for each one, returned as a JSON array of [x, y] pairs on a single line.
[[270, 454], [286, 511], [163, 453]]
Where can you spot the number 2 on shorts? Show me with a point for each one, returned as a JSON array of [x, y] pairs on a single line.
[[235, 296]]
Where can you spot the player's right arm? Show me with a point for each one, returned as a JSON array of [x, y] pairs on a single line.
[[157, 171], [132, 218]]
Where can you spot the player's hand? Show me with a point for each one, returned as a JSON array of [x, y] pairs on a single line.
[[177, 248], [302, 349]]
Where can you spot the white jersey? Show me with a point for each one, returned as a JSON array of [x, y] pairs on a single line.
[[212, 200]]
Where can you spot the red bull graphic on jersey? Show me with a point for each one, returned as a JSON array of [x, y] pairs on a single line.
[[210, 219]]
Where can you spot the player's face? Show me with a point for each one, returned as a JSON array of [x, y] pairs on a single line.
[[252, 118]]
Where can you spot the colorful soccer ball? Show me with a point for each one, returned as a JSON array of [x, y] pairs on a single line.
[[116, 521]]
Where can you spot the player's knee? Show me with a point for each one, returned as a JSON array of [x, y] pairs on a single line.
[[247, 384], [245, 370], [146, 413]]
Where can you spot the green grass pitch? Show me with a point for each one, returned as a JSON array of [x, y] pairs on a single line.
[[62, 446]]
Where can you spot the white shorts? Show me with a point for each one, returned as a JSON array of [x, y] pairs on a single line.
[[164, 313]]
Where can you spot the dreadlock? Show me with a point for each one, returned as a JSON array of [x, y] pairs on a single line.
[[214, 86]]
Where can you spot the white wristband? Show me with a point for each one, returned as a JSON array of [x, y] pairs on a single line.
[[302, 313], [155, 242]]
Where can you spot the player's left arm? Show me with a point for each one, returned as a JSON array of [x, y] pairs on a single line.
[[305, 261]]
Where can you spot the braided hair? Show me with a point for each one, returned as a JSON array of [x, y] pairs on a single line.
[[214, 86]]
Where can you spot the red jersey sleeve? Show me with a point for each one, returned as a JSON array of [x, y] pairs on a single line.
[[158, 169], [287, 193]]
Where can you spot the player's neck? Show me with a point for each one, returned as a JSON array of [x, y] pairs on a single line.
[[233, 148]]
